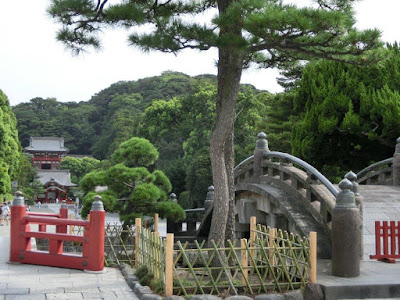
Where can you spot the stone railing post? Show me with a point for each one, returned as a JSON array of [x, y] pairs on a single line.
[[173, 227], [261, 146], [209, 198], [346, 233], [396, 164], [359, 203]]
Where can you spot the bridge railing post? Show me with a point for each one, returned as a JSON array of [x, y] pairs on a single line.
[[63, 215], [261, 146], [18, 242], [360, 205], [346, 233], [396, 164], [95, 261]]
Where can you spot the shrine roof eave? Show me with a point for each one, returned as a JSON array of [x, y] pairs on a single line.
[[58, 184], [31, 149]]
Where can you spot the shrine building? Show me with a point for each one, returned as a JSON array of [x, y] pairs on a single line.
[[47, 153]]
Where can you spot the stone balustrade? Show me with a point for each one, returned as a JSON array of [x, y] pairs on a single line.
[[294, 176]]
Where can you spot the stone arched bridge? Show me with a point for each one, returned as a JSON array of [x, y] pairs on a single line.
[[285, 192]]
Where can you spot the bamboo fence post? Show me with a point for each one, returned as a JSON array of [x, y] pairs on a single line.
[[313, 257], [169, 268], [252, 243], [156, 224], [245, 260], [271, 246], [138, 223]]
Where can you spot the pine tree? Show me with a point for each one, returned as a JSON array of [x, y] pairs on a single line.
[[268, 33], [349, 115]]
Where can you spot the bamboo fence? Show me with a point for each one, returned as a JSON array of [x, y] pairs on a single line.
[[271, 260]]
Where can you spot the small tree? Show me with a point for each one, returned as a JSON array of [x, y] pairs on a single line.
[[133, 190]]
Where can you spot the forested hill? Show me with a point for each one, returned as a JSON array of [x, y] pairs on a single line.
[[83, 124], [97, 126], [174, 111]]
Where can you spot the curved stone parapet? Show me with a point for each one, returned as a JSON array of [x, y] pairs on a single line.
[[379, 173], [297, 178]]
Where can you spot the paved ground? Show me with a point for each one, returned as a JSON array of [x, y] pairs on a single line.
[[30, 282], [19, 281], [381, 203]]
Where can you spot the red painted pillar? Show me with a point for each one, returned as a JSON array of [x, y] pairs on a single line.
[[95, 256], [63, 215], [18, 241]]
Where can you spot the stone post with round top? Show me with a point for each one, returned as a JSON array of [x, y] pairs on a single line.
[[346, 233], [359, 203], [173, 227], [209, 198], [396, 164], [261, 146]]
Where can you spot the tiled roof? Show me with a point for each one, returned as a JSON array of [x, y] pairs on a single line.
[[62, 177], [47, 144]]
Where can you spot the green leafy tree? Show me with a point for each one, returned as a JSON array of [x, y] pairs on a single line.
[[268, 33], [10, 149], [27, 173], [32, 190], [48, 117], [130, 180], [279, 120], [349, 115], [79, 166]]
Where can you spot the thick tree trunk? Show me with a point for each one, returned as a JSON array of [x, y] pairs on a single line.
[[230, 155], [230, 65]]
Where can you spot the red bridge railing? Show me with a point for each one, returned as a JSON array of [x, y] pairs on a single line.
[[92, 256], [387, 240]]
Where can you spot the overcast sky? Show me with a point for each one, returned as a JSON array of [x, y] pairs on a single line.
[[33, 64]]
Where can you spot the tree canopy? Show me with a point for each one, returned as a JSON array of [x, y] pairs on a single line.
[[348, 116], [268, 33], [10, 149], [132, 188]]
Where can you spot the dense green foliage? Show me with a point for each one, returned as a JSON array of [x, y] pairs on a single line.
[[99, 125], [79, 166], [48, 117], [180, 128], [178, 123], [133, 190], [10, 148], [349, 115]]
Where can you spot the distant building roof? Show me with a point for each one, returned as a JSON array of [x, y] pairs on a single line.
[[61, 177], [55, 144]]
